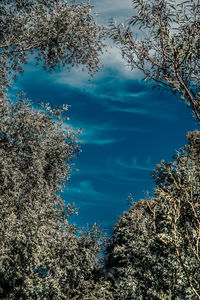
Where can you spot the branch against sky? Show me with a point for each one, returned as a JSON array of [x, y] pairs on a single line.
[[168, 51], [55, 32]]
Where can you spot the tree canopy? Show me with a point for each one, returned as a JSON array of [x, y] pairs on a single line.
[[154, 249], [162, 39], [55, 32], [42, 256], [153, 252], [155, 245]]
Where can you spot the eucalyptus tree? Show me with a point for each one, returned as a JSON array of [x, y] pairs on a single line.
[[162, 40], [54, 31]]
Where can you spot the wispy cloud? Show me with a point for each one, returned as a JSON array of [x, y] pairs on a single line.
[[142, 110], [123, 177], [106, 9], [87, 194], [124, 171], [117, 92], [133, 164], [99, 134], [112, 172]]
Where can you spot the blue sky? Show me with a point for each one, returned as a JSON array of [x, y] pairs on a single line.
[[127, 127]]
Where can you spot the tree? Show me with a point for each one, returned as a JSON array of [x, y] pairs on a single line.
[[154, 249], [177, 201], [138, 264], [54, 31], [167, 50], [42, 256]]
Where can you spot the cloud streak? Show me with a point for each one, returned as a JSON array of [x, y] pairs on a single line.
[[98, 134], [133, 164], [141, 111], [87, 194]]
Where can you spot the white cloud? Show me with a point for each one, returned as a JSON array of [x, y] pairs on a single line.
[[112, 60], [120, 9], [112, 5]]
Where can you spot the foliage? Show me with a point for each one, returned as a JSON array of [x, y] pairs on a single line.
[[137, 263], [177, 199], [41, 255], [163, 232], [167, 50], [154, 249], [54, 31]]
